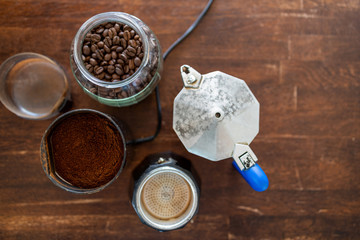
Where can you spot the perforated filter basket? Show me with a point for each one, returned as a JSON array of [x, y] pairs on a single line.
[[165, 194]]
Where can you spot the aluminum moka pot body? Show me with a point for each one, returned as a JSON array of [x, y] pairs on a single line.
[[216, 116]]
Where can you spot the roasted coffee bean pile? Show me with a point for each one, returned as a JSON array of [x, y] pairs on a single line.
[[112, 51]]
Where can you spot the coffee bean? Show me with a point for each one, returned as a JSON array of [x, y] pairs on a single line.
[[132, 43], [104, 63], [115, 76], [87, 37], [100, 30], [132, 33], [110, 69], [137, 61], [124, 94], [127, 28], [116, 40], [119, 49], [131, 90], [112, 94], [108, 41], [131, 64], [100, 44], [94, 47], [136, 37], [105, 33], [107, 57], [117, 27], [110, 34], [90, 68], [93, 90], [119, 71], [117, 90], [101, 76], [93, 62], [120, 61], [141, 55], [127, 35], [107, 49], [123, 43], [108, 77], [99, 70], [114, 55], [126, 69], [112, 62], [123, 77], [103, 91], [131, 51], [123, 57], [99, 54], [113, 31], [86, 50], [137, 83], [108, 25], [138, 50], [95, 38]]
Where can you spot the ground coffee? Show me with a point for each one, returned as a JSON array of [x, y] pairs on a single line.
[[87, 150]]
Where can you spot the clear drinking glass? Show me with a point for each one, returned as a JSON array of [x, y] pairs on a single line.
[[134, 88], [33, 86]]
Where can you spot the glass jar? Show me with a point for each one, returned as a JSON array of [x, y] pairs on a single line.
[[131, 90]]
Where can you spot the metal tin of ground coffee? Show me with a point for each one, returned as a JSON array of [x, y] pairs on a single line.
[[83, 151]]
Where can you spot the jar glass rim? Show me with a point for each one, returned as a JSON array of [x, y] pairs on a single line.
[[96, 20]]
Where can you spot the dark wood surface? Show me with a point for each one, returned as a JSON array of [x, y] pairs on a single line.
[[301, 59]]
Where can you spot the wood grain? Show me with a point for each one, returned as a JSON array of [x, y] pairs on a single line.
[[300, 58]]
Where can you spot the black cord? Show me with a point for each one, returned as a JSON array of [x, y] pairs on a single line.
[[159, 119], [189, 30], [157, 93]]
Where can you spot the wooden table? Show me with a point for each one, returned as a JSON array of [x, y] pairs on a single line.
[[301, 59]]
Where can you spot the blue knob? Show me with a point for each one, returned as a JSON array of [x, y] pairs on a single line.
[[254, 176]]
